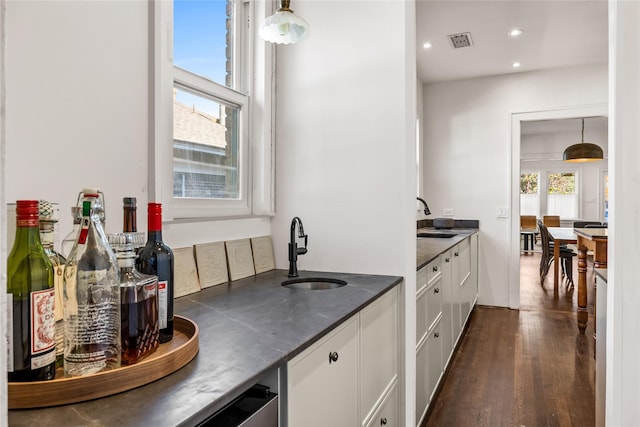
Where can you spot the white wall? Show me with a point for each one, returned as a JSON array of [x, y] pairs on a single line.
[[543, 152], [3, 223], [345, 137], [623, 318], [77, 112], [468, 146]]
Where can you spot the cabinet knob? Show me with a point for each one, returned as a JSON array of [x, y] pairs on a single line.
[[436, 334], [435, 268], [383, 421], [436, 291], [457, 254], [446, 260], [333, 357]]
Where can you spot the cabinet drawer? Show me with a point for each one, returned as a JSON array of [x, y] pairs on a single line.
[[428, 307], [378, 349], [428, 273]]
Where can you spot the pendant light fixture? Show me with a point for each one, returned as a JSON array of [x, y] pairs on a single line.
[[284, 27], [583, 152]]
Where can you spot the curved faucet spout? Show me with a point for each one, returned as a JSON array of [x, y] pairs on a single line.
[[426, 208], [294, 251]]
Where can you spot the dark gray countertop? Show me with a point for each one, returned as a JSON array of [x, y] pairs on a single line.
[[428, 248], [247, 329]]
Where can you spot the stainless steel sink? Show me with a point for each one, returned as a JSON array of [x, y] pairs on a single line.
[[437, 234], [313, 283]]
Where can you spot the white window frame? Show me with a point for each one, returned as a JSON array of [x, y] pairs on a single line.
[[256, 151]]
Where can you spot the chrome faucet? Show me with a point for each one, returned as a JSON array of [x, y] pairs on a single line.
[[426, 208], [294, 251]]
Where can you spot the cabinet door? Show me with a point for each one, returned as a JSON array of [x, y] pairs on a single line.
[[464, 274], [387, 413], [378, 350], [322, 385], [429, 368], [447, 307]]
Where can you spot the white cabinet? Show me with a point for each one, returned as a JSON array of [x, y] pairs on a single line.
[[447, 288], [462, 271], [378, 351], [349, 376], [387, 413], [428, 296], [429, 368], [322, 383]]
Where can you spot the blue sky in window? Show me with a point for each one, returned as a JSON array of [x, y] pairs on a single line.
[[199, 43]]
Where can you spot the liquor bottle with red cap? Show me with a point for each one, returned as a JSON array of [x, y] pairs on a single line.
[[156, 258], [31, 297]]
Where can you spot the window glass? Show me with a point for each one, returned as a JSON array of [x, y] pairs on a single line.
[[562, 197], [205, 148], [201, 32], [529, 194]]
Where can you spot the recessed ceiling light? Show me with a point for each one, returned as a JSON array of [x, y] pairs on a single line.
[[515, 32], [515, 64], [427, 45]]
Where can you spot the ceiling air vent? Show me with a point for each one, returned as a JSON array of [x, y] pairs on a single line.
[[460, 40]]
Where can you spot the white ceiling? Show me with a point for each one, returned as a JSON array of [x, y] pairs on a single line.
[[556, 34]]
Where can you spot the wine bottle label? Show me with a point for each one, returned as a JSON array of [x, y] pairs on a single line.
[[163, 288], [42, 322], [9, 332], [84, 231]]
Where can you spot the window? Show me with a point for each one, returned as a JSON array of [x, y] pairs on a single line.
[[562, 195], [529, 194], [209, 118]]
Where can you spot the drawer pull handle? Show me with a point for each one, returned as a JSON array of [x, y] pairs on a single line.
[[436, 291], [333, 357], [383, 421], [436, 334], [435, 268]]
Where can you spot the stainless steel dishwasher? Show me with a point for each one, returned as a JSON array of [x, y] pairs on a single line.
[[257, 407]]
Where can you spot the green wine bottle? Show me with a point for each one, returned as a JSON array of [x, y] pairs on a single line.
[[31, 296]]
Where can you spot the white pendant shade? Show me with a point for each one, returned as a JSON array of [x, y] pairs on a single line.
[[284, 27]]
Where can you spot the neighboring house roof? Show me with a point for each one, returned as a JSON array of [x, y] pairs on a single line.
[[191, 125]]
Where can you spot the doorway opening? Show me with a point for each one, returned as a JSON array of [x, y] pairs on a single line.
[[528, 129]]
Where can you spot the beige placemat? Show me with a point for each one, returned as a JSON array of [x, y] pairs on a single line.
[[239, 258], [211, 260], [262, 254], [185, 272]]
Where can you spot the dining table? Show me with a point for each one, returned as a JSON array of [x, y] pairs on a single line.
[[595, 240], [560, 236]]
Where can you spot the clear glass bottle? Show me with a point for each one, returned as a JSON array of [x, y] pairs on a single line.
[[138, 303], [31, 337], [91, 296], [70, 239], [157, 258], [48, 220]]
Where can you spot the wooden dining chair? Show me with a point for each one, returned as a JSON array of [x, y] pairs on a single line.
[[529, 230], [551, 220], [566, 256]]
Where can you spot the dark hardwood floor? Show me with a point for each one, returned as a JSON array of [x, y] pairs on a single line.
[[527, 367]]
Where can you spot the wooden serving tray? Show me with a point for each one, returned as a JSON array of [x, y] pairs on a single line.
[[168, 358]]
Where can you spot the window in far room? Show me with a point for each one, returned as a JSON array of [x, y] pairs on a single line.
[[529, 193], [562, 195]]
